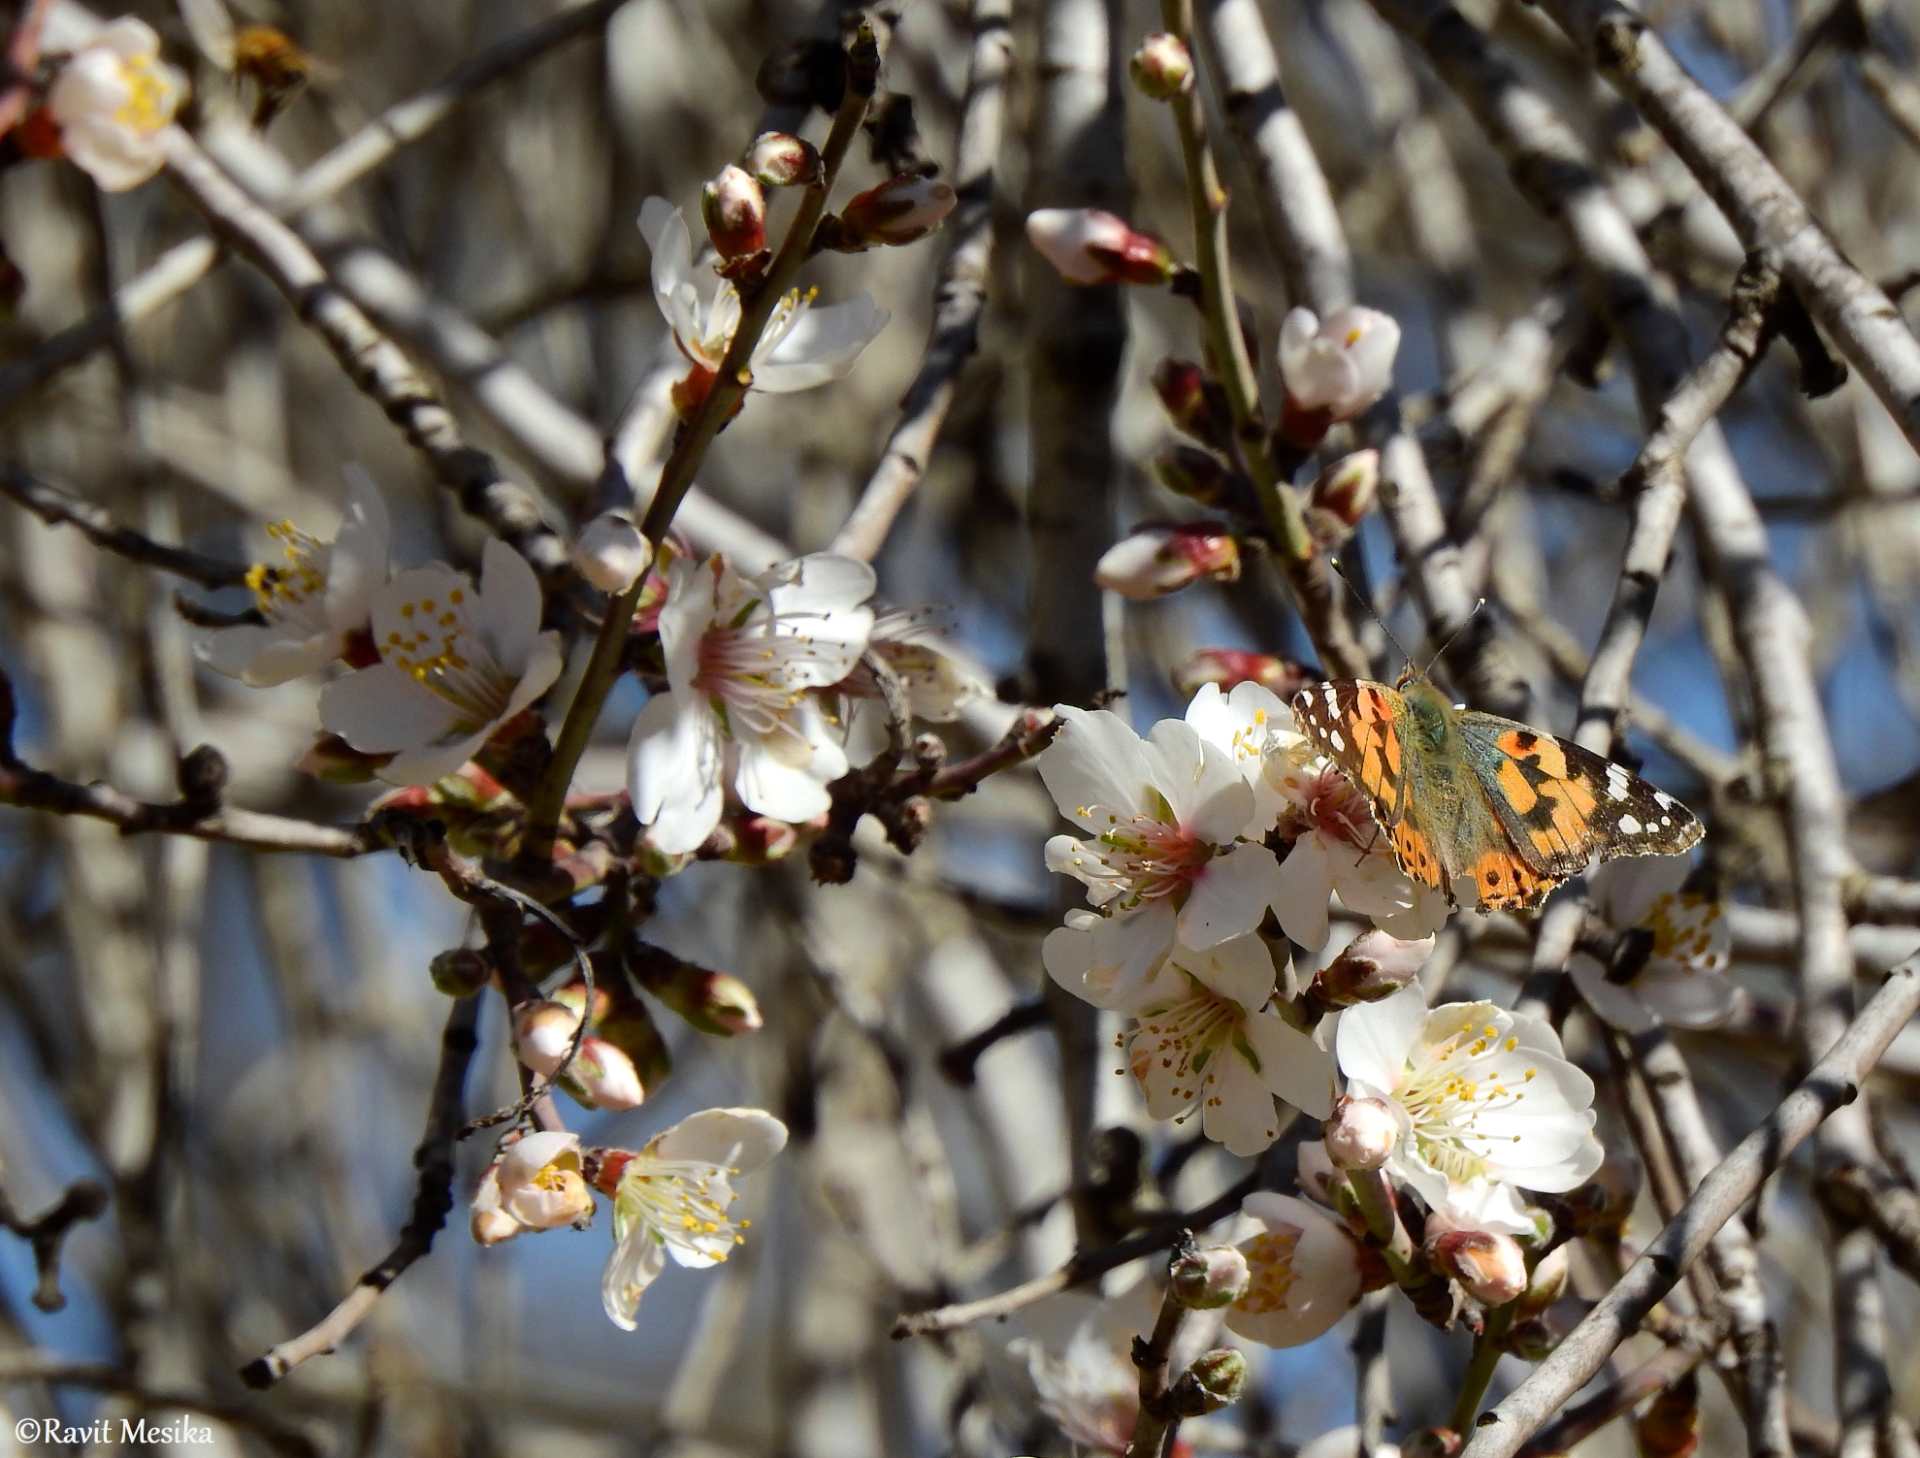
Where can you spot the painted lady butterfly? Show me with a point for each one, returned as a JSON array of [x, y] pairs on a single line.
[[1473, 799]]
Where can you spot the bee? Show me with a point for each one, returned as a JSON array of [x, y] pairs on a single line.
[[262, 56]]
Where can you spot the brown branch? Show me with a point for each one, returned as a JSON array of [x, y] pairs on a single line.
[[57, 508], [45, 1234], [433, 1199]]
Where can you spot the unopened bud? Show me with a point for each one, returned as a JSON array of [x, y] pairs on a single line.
[[1209, 1278], [1343, 494], [1220, 1377], [1334, 369], [735, 212], [1374, 965], [1195, 402], [631, 1029], [759, 840], [1158, 558], [713, 1002], [573, 995], [779, 159], [1670, 1427], [1088, 246], [1531, 1338], [611, 553], [900, 210], [1490, 1265], [1432, 1443], [460, 972], [542, 1034], [1231, 667], [1546, 1285], [1199, 476], [1162, 67], [1318, 1177], [1362, 1133], [603, 1076]]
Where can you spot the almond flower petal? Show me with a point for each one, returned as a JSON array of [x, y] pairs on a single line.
[[1305, 1273], [112, 100]]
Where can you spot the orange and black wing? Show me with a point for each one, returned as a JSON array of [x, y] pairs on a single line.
[[1356, 724]]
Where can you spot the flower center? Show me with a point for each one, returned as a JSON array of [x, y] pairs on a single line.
[[1456, 1084], [1336, 809], [1178, 1043], [446, 656], [149, 103], [293, 591], [1682, 927], [752, 674], [683, 1202], [1269, 1270], [1142, 857]]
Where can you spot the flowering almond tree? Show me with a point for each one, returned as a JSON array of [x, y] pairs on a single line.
[[955, 721]]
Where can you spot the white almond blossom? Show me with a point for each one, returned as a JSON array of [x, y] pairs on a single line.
[[112, 101], [1245, 725], [1341, 365], [1485, 1097], [454, 665], [1163, 860], [937, 682], [800, 348], [1305, 1272], [1338, 849], [1683, 982], [537, 1185], [1212, 1042], [673, 1198], [315, 601], [743, 656]]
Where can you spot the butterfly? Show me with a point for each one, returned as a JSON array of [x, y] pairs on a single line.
[[1473, 799]]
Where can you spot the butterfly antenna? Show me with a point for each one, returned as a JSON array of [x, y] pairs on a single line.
[[1361, 598], [1465, 623]]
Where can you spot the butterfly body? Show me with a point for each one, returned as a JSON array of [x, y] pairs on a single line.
[[1488, 811]]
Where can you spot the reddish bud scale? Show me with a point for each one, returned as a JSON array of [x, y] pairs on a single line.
[[1230, 667], [603, 1168], [39, 135], [1670, 1428], [1142, 259], [1303, 429], [735, 212], [900, 210]]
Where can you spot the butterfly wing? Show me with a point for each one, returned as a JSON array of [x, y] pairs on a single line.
[[1562, 804]]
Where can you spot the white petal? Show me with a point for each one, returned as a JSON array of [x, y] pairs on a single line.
[[1236, 1110], [672, 248], [358, 564], [823, 345], [686, 615], [635, 1264], [1376, 1037], [1240, 968], [1613, 1003], [1292, 1065], [1230, 896], [1205, 789], [1301, 892], [263, 656], [1113, 962], [429, 762], [739, 1140], [381, 709], [1095, 761], [509, 616], [544, 663], [534, 1153], [435, 582], [819, 585], [769, 784], [1684, 998], [674, 771]]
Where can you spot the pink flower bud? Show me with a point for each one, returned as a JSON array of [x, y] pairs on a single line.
[[1159, 558], [1230, 667], [735, 211], [1343, 494], [1318, 1178], [611, 553], [1362, 1133], [900, 210], [714, 1002], [1373, 966], [1490, 1265], [778, 159], [542, 1033], [1334, 370], [605, 1077], [1088, 246], [1200, 476], [1194, 401], [1163, 67], [1208, 1278], [541, 1183]]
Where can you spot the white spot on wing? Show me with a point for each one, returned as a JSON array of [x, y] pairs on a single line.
[[1333, 738], [1630, 826]]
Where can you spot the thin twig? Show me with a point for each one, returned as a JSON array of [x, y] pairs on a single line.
[[56, 508]]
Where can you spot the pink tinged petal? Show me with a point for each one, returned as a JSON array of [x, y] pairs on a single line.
[[675, 764], [739, 1140], [1230, 896], [1240, 968], [1206, 791], [1292, 1065], [770, 785], [1376, 1037], [687, 613], [1236, 1110], [1301, 892], [509, 616], [636, 1263], [1095, 763], [823, 345], [381, 709]]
